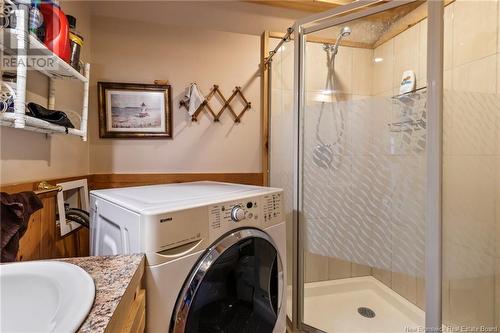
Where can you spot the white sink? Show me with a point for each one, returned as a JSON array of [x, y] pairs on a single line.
[[44, 296]]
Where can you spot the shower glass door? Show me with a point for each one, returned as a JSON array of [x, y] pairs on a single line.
[[362, 170]]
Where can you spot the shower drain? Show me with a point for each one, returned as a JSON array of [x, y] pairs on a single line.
[[366, 312]]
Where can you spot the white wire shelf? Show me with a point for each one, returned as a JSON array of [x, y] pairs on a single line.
[[32, 51], [37, 125], [59, 69]]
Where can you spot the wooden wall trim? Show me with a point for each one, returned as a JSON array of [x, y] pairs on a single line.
[[99, 181], [32, 185]]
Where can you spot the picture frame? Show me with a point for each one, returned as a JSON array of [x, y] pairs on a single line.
[[134, 110]]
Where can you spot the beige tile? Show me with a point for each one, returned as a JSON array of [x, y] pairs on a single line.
[[382, 275], [406, 54], [468, 213], [316, 267], [362, 71], [447, 79], [385, 93], [497, 292], [405, 285], [384, 69], [448, 110], [448, 36], [343, 70], [472, 301], [422, 58], [446, 302], [477, 76], [421, 293], [338, 269], [497, 127], [497, 182], [360, 270], [475, 25], [473, 115], [282, 67], [316, 68]]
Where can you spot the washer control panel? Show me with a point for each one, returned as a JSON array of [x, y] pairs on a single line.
[[260, 212]]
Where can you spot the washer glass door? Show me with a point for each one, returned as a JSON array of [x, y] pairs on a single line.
[[235, 287]]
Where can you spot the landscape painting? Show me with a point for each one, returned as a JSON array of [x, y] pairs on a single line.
[[134, 110]]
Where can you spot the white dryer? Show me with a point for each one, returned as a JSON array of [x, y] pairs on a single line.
[[215, 253]]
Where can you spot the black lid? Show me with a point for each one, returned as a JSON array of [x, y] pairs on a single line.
[[71, 21]]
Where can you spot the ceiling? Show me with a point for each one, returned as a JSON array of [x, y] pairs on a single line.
[[367, 32], [313, 6]]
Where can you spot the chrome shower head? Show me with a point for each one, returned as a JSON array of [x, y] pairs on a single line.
[[345, 32]]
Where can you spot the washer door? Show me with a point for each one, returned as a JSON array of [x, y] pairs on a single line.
[[236, 286]]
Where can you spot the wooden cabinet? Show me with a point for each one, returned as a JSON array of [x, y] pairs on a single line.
[[130, 314], [43, 239]]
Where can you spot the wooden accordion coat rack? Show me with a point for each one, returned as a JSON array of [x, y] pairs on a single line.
[[226, 104]]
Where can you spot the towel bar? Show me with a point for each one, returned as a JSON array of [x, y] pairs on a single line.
[[45, 187]]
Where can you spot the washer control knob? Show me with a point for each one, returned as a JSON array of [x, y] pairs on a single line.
[[237, 214]]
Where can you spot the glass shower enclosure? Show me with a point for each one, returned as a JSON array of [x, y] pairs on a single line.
[[386, 141]]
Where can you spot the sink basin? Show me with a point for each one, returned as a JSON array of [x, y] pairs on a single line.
[[44, 296]]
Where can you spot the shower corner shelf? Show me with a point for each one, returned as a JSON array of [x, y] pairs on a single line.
[[9, 45]]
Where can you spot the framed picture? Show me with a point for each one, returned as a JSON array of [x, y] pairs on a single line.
[[132, 110]]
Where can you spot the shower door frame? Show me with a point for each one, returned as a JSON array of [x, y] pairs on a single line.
[[433, 239]]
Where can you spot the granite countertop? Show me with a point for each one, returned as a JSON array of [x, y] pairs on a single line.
[[112, 275]]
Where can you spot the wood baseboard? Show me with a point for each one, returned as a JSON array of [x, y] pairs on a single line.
[[111, 180], [99, 181]]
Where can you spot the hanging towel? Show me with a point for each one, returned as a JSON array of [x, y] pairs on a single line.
[[15, 212], [193, 98]]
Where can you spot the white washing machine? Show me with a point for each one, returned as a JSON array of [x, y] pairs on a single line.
[[215, 253]]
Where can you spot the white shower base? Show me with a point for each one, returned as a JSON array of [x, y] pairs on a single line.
[[332, 306]]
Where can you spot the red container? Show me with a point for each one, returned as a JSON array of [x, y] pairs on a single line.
[[56, 30]]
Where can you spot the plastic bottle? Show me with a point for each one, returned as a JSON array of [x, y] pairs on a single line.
[[56, 30]]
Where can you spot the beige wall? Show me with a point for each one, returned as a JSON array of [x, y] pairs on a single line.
[[28, 156], [128, 51], [183, 42], [208, 43]]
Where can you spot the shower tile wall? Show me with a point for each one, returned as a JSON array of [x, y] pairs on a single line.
[[471, 164], [353, 67], [406, 51], [370, 196], [471, 186]]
